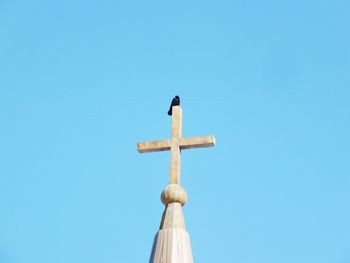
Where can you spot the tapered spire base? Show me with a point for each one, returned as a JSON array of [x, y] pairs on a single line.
[[172, 242]]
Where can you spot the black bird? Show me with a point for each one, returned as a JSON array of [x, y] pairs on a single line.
[[174, 102]]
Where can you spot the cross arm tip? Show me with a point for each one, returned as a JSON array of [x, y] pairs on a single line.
[[139, 147], [210, 141], [213, 140]]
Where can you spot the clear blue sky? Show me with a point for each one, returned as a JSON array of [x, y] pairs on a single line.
[[82, 81]]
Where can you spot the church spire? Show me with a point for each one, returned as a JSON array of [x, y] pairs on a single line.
[[172, 242]]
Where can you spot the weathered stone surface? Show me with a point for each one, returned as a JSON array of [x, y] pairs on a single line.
[[172, 243]]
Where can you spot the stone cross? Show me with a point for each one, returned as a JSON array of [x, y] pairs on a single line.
[[176, 144]]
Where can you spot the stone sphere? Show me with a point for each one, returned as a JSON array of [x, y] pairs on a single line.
[[174, 193]]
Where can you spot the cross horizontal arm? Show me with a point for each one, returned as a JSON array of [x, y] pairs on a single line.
[[154, 146], [197, 142]]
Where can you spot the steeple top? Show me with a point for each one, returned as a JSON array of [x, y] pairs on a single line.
[[172, 243]]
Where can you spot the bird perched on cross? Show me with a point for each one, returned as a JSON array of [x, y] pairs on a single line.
[[174, 102]]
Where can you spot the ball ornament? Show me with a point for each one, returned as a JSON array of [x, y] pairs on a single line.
[[174, 193]]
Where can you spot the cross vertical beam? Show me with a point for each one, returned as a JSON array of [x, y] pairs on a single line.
[[175, 156]]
